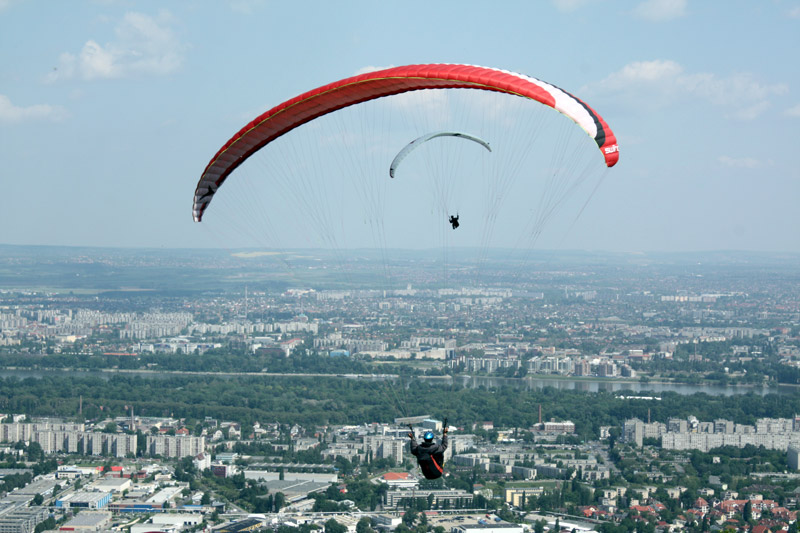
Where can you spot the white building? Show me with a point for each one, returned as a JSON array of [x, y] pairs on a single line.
[[202, 461], [175, 445]]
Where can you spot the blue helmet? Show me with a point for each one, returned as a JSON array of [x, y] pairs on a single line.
[[428, 436]]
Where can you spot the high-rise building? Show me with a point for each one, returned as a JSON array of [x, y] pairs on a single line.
[[175, 445]]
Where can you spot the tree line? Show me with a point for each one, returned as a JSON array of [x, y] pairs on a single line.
[[314, 401]]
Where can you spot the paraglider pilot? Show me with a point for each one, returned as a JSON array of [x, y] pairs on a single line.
[[454, 221], [429, 453]]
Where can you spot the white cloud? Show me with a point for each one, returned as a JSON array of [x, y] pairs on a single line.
[[646, 71], [370, 68], [794, 12], [738, 89], [246, 7], [5, 4], [97, 62], [660, 10], [568, 6], [432, 104], [662, 82], [143, 45], [12, 113], [793, 111], [740, 162], [750, 112]]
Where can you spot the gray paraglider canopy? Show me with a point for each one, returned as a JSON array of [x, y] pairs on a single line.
[[427, 137]]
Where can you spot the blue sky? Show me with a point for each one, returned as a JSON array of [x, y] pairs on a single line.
[[110, 110]]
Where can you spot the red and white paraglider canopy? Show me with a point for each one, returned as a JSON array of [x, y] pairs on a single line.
[[370, 86]]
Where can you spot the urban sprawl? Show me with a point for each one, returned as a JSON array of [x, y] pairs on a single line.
[[142, 473]]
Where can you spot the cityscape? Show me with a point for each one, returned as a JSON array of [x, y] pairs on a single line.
[[419, 267], [645, 337]]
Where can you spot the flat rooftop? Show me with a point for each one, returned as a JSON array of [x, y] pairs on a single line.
[[295, 490]]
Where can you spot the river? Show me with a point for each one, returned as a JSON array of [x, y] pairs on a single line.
[[526, 383], [636, 387]]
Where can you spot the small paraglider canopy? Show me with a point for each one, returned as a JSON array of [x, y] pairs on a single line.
[[402, 154]]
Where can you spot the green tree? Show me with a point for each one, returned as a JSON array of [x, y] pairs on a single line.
[[409, 517], [364, 525], [279, 501], [47, 525], [332, 526], [141, 443], [35, 452]]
